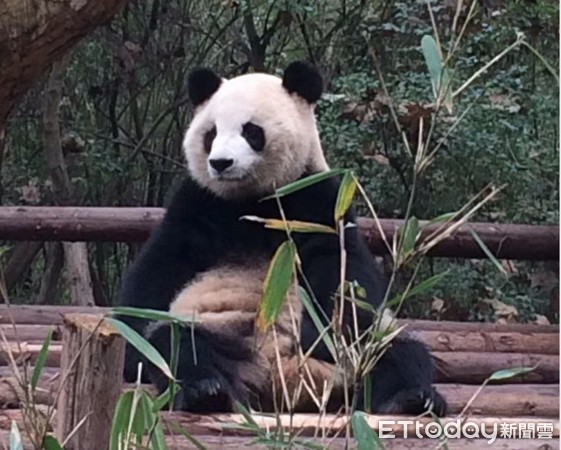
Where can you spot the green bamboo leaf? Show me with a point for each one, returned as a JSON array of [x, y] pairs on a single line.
[[121, 419], [175, 345], [365, 436], [40, 361], [294, 225], [277, 282], [146, 421], [442, 218], [509, 373], [439, 74], [488, 252], [423, 286], [143, 419], [305, 182], [345, 195], [158, 439], [152, 314], [307, 301], [142, 345], [15, 437], [166, 397], [51, 443], [410, 235], [367, 389], [433, 61]]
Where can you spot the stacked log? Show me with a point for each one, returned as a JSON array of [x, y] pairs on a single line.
[[465, 355]]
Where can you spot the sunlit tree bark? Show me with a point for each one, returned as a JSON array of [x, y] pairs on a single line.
[[34, 33]]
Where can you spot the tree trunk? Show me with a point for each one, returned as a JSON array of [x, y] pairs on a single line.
[[34, 33], [20, 258], [75, 254], [54, 263], [78, 273]]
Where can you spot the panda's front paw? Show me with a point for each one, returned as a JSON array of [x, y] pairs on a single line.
[[211, 393], [414, 402]]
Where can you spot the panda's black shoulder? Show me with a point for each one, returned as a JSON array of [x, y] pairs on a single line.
[[188, 198]]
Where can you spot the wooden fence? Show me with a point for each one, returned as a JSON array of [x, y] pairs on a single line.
[[506, 241]]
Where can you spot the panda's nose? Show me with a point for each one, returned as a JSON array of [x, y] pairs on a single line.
[[220, 165]]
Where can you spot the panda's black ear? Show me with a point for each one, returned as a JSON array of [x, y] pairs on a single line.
[[202, 84], [304, 80]]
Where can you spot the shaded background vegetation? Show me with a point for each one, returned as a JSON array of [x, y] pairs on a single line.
[[123, 112]]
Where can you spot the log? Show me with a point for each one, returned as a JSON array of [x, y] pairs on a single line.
[[455, 326], [217, 442], [329, 425], [513, 400], [505, 241], [476, 367], [43, 314], [92, 377], [235, 442], [450, 367], [441, 341], [44, 223], [494, 400], [311, 425], [482, 341], [510, 241], [24, 352], [32, 334], [53, 315]]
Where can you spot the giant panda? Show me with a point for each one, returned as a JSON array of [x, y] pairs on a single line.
[[250, 135]]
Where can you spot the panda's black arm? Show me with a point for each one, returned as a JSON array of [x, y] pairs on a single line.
[[321, 266], [183, 245], [320, 254]]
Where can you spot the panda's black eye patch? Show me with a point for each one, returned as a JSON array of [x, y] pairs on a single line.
[[254, 135], [209, 138]]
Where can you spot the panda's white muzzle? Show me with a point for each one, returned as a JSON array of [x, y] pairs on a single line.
[[231, 158]]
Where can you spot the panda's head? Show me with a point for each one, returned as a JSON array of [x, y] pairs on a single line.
[[253, 133]]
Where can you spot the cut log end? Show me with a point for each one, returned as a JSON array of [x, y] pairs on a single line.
[[91, 323]]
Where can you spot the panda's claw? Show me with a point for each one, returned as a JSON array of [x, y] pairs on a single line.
[[415, 401]]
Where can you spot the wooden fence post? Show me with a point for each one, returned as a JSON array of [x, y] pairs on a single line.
[[92, 372]]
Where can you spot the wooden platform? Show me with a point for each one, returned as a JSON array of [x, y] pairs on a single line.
[[465, 355]]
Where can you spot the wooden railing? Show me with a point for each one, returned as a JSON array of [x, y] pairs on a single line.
[[123, 224]]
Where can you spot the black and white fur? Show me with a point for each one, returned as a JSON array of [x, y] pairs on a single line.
[[249, 135]]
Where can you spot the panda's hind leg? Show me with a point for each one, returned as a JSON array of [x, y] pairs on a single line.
[[208, 368], [402, 381]]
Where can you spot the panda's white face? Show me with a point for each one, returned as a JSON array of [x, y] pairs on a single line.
[[250, 136]]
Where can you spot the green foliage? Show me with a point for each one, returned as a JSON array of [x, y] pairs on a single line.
[[51, 443], [136, 422], [277, 283], [142, 345], [365, 436], [509, 373], [40, 361]]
